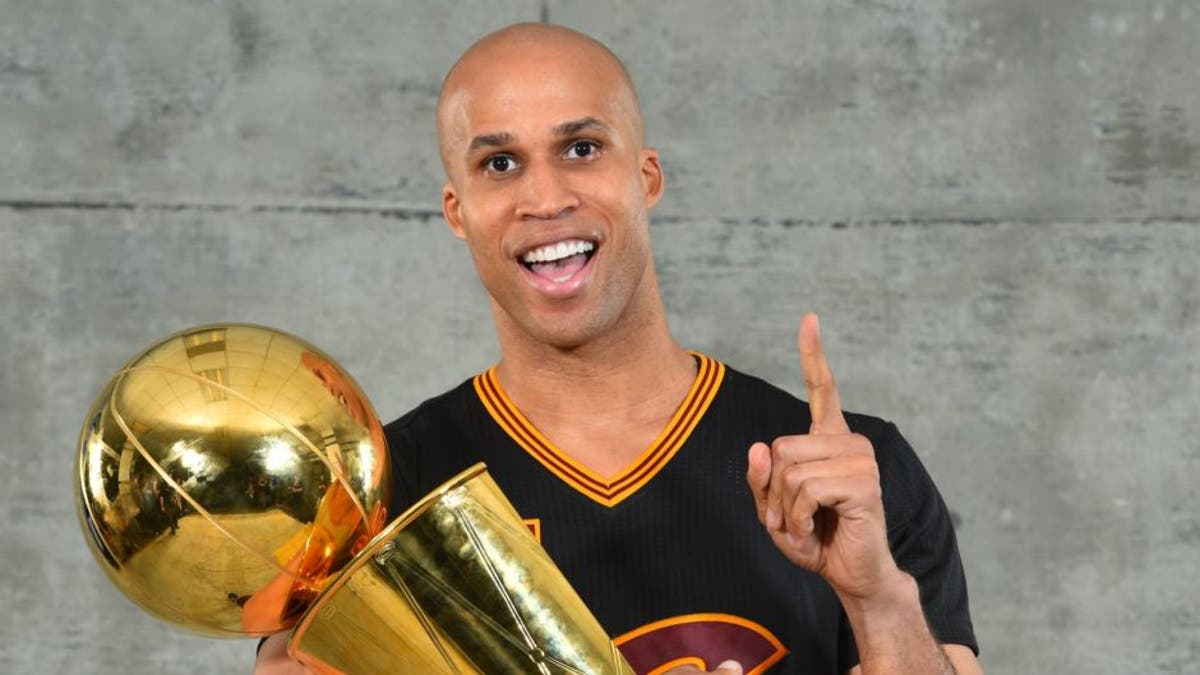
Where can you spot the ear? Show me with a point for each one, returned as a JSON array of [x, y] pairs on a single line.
[[452, 210], [652, 177]]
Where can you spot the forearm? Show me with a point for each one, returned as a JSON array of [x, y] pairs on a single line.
[[892, 635]]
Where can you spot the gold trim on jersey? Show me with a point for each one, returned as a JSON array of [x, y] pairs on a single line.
[[615, 489], [535, 527]]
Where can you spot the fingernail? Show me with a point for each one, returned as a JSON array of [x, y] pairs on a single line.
[[730, 666], [791, 540], [772, 518]]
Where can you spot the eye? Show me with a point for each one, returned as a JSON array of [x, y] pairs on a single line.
[[500, 164], [581, 149]]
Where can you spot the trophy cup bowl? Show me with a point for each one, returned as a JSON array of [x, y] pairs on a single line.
[[225, 474], [455, 584]]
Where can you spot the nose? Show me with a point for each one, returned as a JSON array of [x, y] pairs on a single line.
[[546, 192]]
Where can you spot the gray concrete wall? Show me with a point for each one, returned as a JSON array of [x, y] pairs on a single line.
[[995, 205]]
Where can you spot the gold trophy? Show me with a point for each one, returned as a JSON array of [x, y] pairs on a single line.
[[457, 584], [233, 480]]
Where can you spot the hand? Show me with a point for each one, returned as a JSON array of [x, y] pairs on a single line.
[[818, 494], [273, 658], [725, 668]]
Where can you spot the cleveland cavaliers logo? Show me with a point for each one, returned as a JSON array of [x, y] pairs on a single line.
[[702, 640]]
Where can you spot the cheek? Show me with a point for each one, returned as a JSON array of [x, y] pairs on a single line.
[[489, 263], [483, 231], [484, 261], [635, 218], [621, 197]]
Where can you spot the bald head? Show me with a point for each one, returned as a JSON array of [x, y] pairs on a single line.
[[521, 54]]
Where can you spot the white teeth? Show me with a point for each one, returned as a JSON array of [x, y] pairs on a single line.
[[563, 249]]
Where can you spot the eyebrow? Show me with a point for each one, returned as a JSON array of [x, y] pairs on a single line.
[[583, 124], [490, 141]]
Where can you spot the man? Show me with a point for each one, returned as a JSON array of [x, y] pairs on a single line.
[[694, 545]]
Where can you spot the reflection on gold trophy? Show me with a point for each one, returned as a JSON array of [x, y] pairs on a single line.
[[233, 480]]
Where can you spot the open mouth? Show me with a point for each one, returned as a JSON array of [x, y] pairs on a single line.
[[558, 262]]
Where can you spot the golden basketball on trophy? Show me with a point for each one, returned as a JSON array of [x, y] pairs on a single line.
[[233, 480], [225, 473]]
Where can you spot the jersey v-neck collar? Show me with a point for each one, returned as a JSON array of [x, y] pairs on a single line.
[[615, 489]]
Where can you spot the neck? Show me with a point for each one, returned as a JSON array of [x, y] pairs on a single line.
[[635, 371]]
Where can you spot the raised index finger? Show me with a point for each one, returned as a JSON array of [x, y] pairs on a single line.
[[823, 398]]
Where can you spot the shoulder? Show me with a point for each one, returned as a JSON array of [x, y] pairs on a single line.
[[422, 441], [754, 396], [775, 412], [747, 397], [433, 416]]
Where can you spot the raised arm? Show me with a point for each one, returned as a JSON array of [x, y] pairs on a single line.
[[819, 497]]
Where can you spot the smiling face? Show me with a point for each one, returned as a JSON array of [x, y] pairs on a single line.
[[549, 184]]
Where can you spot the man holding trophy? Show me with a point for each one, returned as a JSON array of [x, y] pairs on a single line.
[[709, 520]]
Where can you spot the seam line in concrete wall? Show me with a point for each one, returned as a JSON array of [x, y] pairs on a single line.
[[400, 212], [384, 211]]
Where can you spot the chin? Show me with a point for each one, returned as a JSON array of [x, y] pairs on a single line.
[[564, 336], [576, 324], [563, 340]]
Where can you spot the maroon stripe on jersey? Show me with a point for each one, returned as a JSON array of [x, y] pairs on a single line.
[[633, 477], [661, 453], [528, 439]]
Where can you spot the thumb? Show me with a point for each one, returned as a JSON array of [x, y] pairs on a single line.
[[758, 477], [729, 668]]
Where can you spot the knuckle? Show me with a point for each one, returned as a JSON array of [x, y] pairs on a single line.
[[802, 526], [794, 477], [801, 509], [814, 489], [862, 444], [874, 491], [869, 488], [865, 465], [784, 446]]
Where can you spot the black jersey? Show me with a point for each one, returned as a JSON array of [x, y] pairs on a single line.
[[669, 554]]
